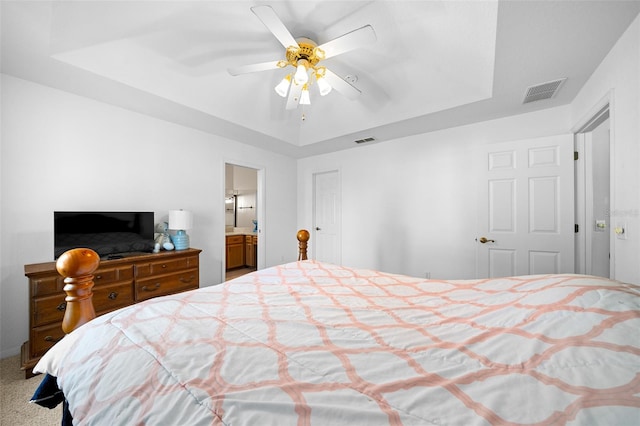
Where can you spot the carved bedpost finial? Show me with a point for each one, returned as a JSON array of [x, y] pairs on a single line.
[[78, 266], [303, 237]]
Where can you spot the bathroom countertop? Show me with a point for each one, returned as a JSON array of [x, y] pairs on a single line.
[[241, 231]]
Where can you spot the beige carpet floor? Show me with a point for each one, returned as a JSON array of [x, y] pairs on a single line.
[[15, 393]]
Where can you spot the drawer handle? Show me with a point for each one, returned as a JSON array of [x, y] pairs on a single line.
[[164, 266], [153, 288], [187, 280], [98, 277], [51, 339], [113, 295], [61, 307]]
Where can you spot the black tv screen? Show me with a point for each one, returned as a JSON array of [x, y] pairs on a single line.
[[110, 234]]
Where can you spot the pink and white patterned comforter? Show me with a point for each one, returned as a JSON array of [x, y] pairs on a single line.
[[309, 343]]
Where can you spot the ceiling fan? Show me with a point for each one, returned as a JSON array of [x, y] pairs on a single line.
[[304, 55]]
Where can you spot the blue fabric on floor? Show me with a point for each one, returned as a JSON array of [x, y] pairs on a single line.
[[50, 396]]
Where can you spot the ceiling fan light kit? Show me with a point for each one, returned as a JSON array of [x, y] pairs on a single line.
[[304, 54]]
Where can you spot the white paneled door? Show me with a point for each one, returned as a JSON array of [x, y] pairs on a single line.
[[526, 208], [326, 232]]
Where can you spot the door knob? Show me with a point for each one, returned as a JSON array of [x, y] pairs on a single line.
[[485, 240]]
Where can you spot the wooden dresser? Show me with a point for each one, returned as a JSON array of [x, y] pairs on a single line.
[[117, 283]]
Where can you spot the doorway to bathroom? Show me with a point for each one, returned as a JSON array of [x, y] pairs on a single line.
[[241, 220]]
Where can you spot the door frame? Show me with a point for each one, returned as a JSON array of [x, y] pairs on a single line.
[[600, 112]]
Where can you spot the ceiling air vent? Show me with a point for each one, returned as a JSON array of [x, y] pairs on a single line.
[[365, 140], [543, 91]]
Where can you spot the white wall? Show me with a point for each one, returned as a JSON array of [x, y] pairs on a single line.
[[409, 205], [245, 181], [247, 208], [65, 152], [617, 79]]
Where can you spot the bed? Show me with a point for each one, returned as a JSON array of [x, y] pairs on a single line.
[[311, 343]]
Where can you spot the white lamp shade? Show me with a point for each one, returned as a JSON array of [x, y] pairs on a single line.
[[304, 96], [180, 219], [283, 87], [301, 76], [323, 86]]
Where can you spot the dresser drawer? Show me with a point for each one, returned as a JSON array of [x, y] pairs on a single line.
[[167, 284], [165, 266], [111, 275], [42, 338], [52, 284], [109, 298], [105, 299], [48, 309]]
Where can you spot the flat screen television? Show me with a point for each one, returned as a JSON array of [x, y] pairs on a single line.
[[110, 234]]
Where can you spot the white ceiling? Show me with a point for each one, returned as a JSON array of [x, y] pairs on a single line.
[[435, 64]]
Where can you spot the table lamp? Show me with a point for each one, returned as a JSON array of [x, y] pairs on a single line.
[[180, 221]]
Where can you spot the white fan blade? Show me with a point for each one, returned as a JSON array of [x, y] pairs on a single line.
[[342, 86], [349, 41], [294, 95], [262, 66], [273, 23]]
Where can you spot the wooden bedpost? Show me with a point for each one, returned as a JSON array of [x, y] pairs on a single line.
[[303, 237], [78, 266]]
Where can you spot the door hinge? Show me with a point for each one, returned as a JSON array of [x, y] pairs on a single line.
[[576, 228], [575, 155]]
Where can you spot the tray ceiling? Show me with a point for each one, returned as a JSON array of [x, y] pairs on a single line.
[[434, 64]]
